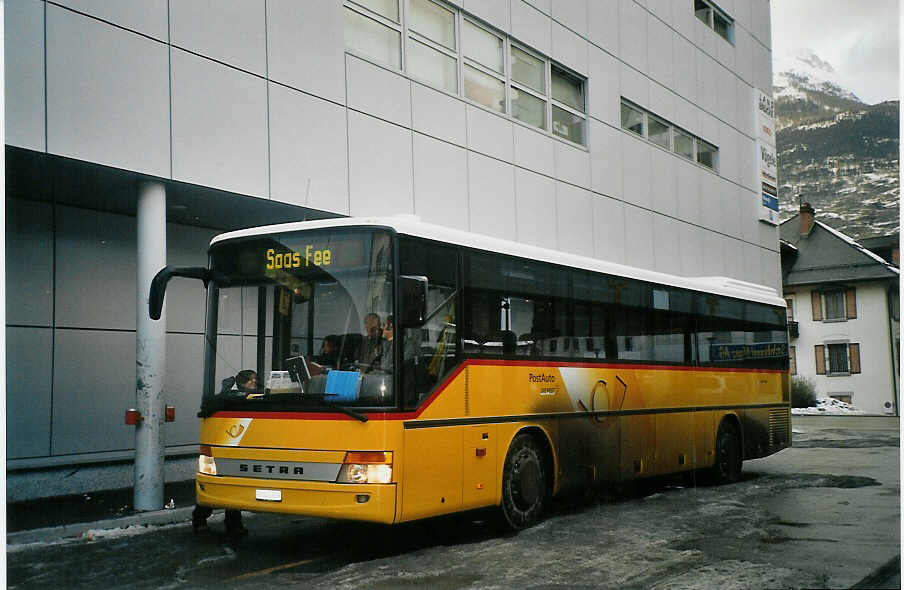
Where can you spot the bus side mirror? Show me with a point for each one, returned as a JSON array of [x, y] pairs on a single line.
[[158, 285], [413, 303]]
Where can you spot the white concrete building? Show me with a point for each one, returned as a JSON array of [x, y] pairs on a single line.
[[628, 130], [844, 314]]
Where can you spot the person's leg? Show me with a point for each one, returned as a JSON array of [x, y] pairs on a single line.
[[234, 524], [199, 518]]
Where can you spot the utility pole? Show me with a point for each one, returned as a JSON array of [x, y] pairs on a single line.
[[150, 348]]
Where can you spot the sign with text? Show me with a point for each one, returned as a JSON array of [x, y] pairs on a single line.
[[765, 117], [769, 204], [767, 162]]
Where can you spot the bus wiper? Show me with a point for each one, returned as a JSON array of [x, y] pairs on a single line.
[[322, 403], [348, 412]]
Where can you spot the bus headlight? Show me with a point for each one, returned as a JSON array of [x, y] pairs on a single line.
[[366, 467], [206, 463]]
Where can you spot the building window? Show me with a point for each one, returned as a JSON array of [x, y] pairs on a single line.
[[387, 8], [567, 104], [372, 37], [433, 22], [789, 310], [431, 45], [706, 154], [632, 119], [684, 144], [842, 397], [834, 305], [837, 358], [792, 359], [711, 16], [528, 88], [660, 132], [447, 50]]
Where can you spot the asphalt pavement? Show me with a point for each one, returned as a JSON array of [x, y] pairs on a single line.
[[50, 520]]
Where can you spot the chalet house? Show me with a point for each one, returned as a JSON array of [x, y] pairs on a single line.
[[843, 312]]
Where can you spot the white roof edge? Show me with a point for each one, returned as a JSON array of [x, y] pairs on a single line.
[[858, 245], [412, 225]]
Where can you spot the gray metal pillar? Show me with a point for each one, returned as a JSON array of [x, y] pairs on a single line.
[[150, 349]]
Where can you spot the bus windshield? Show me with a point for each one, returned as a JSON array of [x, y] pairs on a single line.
[[301, 321]]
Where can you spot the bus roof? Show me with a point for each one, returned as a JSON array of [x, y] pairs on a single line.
[[411, 225]]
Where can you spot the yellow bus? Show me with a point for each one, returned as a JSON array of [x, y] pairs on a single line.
[[406, 370]]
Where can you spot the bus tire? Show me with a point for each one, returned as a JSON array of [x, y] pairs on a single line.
[[727, 465], [525, 483]]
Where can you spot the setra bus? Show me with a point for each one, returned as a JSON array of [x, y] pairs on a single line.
[[508, 373]]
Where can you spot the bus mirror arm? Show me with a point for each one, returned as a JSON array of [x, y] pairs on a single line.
[[413, 301], [158, 285]]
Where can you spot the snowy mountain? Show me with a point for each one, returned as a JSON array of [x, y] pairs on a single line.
[[840, 154], [803, 72]]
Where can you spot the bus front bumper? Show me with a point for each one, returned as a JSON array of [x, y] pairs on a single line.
[[367, 502]]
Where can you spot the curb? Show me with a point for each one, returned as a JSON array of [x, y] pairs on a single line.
[[156, 517]]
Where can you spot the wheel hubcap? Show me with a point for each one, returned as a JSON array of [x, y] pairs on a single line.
[[527, 490]]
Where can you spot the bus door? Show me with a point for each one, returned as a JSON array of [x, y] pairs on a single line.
[[433, 455]]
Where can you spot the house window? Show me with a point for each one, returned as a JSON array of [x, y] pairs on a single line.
[[711, 16], [834, 305], [837, 358], [789, 309], [792, 358], [842, 397]]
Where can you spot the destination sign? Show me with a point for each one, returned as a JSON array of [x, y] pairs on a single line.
[[310, 256]]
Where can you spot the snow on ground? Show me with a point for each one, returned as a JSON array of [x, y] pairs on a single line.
[[828, 406]]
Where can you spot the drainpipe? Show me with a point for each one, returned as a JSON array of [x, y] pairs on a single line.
[[150, 349], [895, 372]]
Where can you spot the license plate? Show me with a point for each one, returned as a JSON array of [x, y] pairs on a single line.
[[268, 495]]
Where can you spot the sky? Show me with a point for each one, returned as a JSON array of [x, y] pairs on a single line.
[[860, 38]]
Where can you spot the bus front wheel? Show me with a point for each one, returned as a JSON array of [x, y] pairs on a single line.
[[727, 467], [525, 480]]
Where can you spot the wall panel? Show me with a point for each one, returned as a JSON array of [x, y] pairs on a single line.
[[219, 126], [308, 150], [23, 54], [28, 392], [97, 108]]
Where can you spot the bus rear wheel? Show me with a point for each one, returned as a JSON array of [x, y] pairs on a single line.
[[727, 467], [525, 478]]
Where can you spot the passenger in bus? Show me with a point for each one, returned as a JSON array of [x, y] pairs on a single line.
[[246, 380], [372, 349], [386, 357], [329, 351]]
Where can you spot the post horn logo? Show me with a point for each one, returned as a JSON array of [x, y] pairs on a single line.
[[235, 430]]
